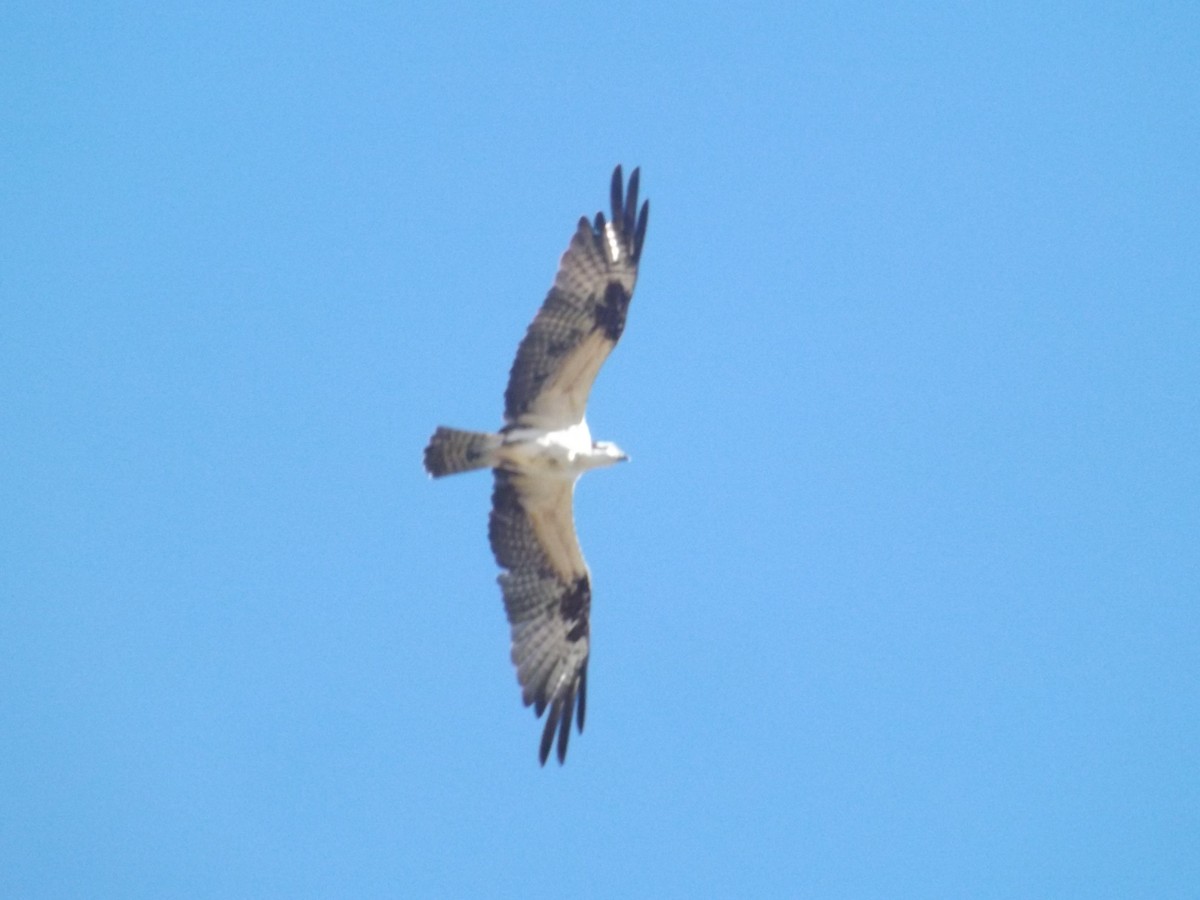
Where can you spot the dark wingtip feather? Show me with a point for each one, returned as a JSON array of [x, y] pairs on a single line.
[[548, 731], [582, 708], [616, 193], [640, 234], [564, 730], [631, 198], [625, 213], [540, 699]]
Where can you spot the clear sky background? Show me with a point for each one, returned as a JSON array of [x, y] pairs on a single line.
[[899, 595]]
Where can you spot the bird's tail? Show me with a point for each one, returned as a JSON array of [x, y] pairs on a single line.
[[451, 450]]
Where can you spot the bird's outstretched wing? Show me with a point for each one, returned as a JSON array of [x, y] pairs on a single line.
[[547, 595], [582, 317]]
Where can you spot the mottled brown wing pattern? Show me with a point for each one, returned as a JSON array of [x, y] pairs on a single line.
[[547, 597], [582, 317]]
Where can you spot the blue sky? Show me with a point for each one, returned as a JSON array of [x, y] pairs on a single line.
[[897, 597]]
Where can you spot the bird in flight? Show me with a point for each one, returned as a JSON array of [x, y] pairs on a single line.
[[539, 454]]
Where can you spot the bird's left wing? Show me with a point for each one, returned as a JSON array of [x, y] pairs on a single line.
[[582, 317], [547, 595]]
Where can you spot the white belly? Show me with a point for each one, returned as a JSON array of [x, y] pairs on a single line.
[[566, 452]]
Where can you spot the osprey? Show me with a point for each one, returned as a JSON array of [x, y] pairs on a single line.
[[540, 452]]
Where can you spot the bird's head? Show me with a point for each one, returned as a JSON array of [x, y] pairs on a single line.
[[606, 453]]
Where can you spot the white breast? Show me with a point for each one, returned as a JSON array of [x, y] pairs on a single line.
[[565, 451]]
